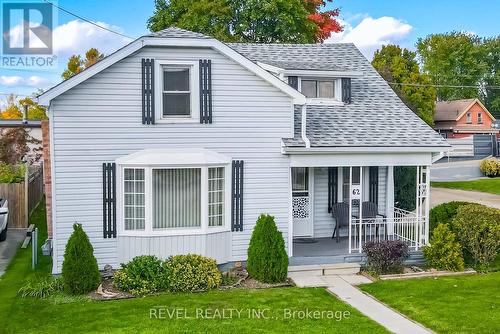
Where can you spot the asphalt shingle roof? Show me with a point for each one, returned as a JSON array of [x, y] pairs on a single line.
[[375, 117], [174, 32], [450, 110]]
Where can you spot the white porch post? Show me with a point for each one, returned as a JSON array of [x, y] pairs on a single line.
[[360, 208], [389, 205], [350, 210], [427, 202], [417, 208]]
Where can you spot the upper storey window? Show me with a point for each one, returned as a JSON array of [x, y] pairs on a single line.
[[176, 91], [318, 88]]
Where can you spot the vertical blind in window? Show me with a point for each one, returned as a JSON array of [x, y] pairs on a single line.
[[176, 198], [134, 198], [216, 196]]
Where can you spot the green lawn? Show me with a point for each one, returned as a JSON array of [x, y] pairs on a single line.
[[484, 185], [63, 314], [457, 304]]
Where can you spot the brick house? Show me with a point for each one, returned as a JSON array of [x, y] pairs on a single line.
[[463, 118]]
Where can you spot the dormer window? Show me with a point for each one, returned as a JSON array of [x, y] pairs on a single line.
[[321, 90], [480, 118], [469, 118], [318, 88]]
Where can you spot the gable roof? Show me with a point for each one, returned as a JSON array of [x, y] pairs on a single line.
[[174, 32], [169, 37], [376, 117], [453, 110]]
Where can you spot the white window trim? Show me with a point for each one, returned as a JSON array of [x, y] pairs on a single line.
[[337, 100], [479, 118], [148, 226], [468, 117], [194, 84]]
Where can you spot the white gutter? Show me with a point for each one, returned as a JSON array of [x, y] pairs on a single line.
[[364, 149], [303, 126]]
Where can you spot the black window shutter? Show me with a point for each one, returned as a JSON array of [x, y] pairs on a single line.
[[109, 200], [205, 91], [148, 96], [373, 184], [346, 90], [237, 196], [293, 81], [333, 185]]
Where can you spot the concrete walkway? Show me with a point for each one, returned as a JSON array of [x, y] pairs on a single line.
[[373, 309], [443, 195], [9, 247]]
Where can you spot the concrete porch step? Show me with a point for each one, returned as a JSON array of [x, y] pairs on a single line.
[[325, 269]]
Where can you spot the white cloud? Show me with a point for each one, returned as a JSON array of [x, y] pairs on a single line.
[[16, 80], [370, 34], [11, 80], [76, 37]]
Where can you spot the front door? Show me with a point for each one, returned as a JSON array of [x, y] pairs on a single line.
[[301, 202]]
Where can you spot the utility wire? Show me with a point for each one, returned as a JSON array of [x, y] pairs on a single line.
[[441, 86], [87, 20]]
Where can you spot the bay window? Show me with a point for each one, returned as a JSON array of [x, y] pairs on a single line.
[[176, 198], [161, 200], [134, 207]]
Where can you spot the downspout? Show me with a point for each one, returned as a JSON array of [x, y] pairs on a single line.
[[303, 124]]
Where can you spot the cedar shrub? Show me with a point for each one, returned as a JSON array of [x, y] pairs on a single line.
[[267, 258], [80, 272], [444, 252]]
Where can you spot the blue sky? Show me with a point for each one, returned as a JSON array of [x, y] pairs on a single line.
[[368, 23]]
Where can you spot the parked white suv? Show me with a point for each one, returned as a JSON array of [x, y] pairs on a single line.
[[4, 218]]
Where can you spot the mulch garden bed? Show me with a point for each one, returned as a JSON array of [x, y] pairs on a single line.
[[238, 279]]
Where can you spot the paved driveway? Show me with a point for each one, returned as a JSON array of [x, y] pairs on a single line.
[[456, 171], [443, 195], [9, 247]]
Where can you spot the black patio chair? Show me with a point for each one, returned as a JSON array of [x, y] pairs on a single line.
[[370, 213], [340, 211]]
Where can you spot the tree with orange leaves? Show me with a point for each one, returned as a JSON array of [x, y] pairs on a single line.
[[256, 21]]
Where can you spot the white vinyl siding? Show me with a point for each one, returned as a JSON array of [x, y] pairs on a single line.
[[100, 120], [176, 198]]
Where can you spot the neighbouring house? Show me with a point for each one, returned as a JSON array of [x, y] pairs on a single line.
[[33, 127], [463, 118], [177, 142]]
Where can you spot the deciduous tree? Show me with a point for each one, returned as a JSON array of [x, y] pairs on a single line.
[[76, 63], [258, 21], [400, 68], [14, 109]]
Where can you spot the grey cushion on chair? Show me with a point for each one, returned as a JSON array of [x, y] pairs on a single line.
[[340, 211]]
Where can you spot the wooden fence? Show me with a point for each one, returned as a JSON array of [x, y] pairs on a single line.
[[22, 201]]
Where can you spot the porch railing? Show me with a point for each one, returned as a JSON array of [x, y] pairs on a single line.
[[404, 225]]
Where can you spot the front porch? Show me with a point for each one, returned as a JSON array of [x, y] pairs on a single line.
[[336, 210]]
